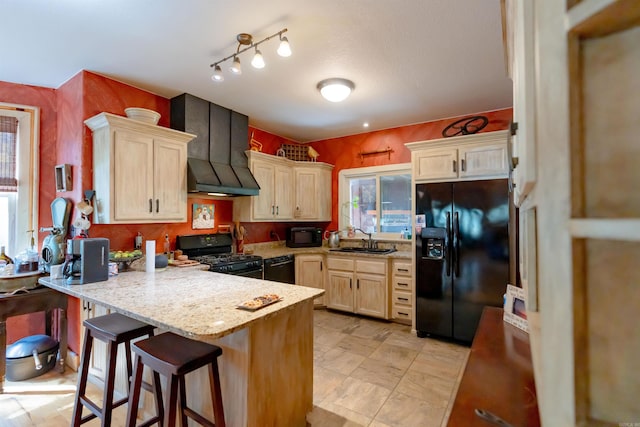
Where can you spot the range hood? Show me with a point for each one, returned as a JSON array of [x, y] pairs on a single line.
[[216, 159]]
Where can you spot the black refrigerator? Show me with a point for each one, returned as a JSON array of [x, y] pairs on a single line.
[[462, 255]]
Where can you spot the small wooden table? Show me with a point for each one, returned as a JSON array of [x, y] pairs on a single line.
[[498, 377], [42, 299]]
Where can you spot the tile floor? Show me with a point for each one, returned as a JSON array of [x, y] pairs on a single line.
[[366, 373]]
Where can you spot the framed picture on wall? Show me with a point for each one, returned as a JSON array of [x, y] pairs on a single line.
[[202, 216]]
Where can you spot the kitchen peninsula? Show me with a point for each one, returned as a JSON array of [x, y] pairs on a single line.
[[267, 362]]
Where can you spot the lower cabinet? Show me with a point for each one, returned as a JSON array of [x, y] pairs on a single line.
[[402, 291], [310, 272], [358, 286]]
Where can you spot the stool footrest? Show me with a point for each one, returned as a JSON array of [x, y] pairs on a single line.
[[96, 411], [151, 422], [199, 418]]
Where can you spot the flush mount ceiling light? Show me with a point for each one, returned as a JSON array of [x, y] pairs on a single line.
[[244, 39], [335, 89]]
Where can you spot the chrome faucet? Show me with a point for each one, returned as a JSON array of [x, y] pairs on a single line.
[[369, 244]]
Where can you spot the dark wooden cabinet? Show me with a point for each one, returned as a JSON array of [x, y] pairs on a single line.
[[498, 377]]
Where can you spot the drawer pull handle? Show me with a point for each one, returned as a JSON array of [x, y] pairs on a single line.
[[402, 314], [403, 299], [404, 269], [403, 284]]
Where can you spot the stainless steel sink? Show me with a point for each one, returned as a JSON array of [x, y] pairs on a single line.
[[359, 250]]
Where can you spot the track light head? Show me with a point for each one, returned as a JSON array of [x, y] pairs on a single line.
[[284, 49], [236, 68], [258, 60], [217, 74]]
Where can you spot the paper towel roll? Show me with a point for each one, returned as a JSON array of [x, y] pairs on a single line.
[[150, 253]]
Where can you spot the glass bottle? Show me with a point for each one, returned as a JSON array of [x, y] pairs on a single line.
[[167, 245], [4, 257]]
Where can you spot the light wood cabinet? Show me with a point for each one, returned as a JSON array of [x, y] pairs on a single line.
[[310, 272], [358, 286], [289, 190], [402, 291], [313, 183], [275, 200], [478, 156], [139, 171]]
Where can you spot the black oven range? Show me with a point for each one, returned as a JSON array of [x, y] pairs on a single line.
[[215, 251]]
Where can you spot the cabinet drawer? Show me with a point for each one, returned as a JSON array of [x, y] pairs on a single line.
[[401, 313], [402, 298], [339, 263], [402, 283], [373, 267], [402, 268]]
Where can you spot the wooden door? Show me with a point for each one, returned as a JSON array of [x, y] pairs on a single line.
[[340, 290], [371, 295], [264, 203], [485, 160], [436, 164], [132, 176], [170, 191], [307, 193], [283, 188], [585, 344], [310, 272]]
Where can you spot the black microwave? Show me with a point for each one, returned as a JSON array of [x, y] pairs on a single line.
[[304, 237]]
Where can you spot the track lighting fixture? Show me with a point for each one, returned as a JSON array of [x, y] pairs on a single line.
[[244, 39]]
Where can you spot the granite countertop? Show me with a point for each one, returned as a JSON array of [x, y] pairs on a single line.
[[272, 250], [190, 302]]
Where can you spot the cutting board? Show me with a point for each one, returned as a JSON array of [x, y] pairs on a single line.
[[187, 263]]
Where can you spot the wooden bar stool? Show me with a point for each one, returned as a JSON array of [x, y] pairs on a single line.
[[112, 329], [175, 356]]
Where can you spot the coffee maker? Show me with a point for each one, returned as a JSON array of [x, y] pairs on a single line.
[[87, 261]]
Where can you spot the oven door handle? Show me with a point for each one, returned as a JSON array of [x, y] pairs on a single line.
[[278, 264]]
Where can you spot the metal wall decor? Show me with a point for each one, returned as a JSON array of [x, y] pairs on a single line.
[[466, 126]]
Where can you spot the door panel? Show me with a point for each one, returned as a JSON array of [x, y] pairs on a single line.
[[340, 290], [433, 277], [481, 252]]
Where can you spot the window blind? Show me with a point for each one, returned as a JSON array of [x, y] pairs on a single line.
[[8, 139]]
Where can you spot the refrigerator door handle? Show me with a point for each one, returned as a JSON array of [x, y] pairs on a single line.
[[456, 242], [447, 256]]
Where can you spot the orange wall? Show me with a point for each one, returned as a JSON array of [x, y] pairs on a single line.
[[343, 152], [45, 100]]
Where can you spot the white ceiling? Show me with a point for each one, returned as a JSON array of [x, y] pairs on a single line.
[[412, 61]]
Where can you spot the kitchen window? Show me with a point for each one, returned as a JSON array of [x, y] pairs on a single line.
[[18, 190], [376, 199]]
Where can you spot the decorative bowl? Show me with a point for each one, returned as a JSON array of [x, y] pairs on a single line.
[[142, 115]]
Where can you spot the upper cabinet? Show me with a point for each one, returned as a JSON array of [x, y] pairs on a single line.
[[313, 192], [139, 171], [289, 191], [460, 158]]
